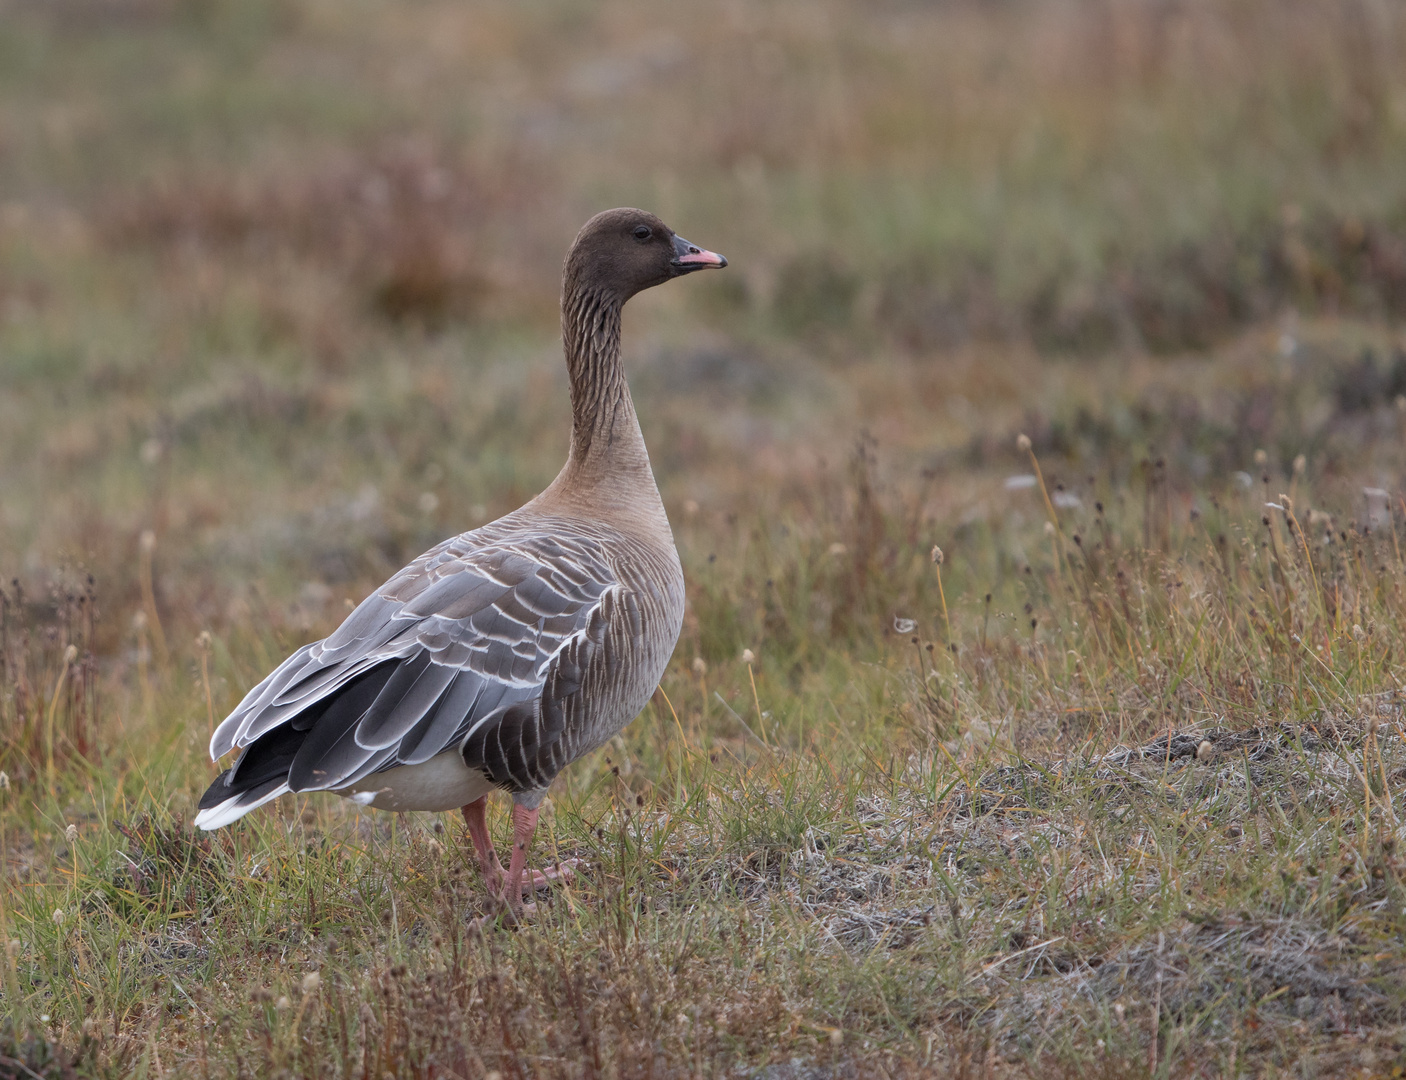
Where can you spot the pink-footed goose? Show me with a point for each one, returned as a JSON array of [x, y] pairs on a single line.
[[504, 654]]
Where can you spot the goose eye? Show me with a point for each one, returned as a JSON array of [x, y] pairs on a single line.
[[643, 232]]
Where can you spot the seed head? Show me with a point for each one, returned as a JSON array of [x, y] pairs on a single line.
[[1022, 443], [1204, 751], [71, 834], [283, 1003], [1300, 464], [311, 982], [70, 654], [700, 666], [59, 916], [937, 555], [748, 656], [1358, 632], [1261, 457], [4, 780], [147, 542]]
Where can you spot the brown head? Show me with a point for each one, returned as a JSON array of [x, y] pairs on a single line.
[[621, 252]]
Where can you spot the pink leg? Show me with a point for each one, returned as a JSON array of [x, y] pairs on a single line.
[[508, 891], [524, 825], [475, 816]]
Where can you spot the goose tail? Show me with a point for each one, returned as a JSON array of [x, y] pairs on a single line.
[[222, 805]]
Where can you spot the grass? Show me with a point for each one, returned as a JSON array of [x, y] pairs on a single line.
[[1113, 795]]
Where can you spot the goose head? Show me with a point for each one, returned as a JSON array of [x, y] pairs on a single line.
[[624, 251]]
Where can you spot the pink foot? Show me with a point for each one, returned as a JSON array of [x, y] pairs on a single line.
[[562, 873]]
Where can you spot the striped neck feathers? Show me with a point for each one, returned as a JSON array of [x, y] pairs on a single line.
[[602, 414]]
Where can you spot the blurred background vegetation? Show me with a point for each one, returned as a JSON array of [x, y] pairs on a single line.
[[278, 278], [278, 310]]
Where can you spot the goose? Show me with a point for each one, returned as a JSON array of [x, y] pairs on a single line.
[[505, 653]]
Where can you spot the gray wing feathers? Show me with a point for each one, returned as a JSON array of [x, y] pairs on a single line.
[[533, 739], [462, 637], [224, 739], [440, 726], [414, 689]]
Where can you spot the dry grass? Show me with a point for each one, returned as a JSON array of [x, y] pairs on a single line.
[[1113, 796]]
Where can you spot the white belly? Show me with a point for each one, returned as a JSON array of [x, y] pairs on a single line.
[[442, 783]]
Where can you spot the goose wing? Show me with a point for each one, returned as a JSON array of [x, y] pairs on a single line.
[[475, 644]]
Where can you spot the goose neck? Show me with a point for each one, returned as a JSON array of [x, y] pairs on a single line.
[[607, 476], [603, 423]]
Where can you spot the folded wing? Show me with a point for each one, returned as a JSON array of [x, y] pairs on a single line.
[[475, 645]]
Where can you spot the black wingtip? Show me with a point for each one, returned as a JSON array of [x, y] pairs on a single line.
[[217, 792]]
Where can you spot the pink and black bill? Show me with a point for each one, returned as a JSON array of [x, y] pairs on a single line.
[[690, 257]]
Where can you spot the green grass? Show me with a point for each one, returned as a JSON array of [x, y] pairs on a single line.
[[277, 289]]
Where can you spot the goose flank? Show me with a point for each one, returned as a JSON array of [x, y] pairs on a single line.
[[502, 655]]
